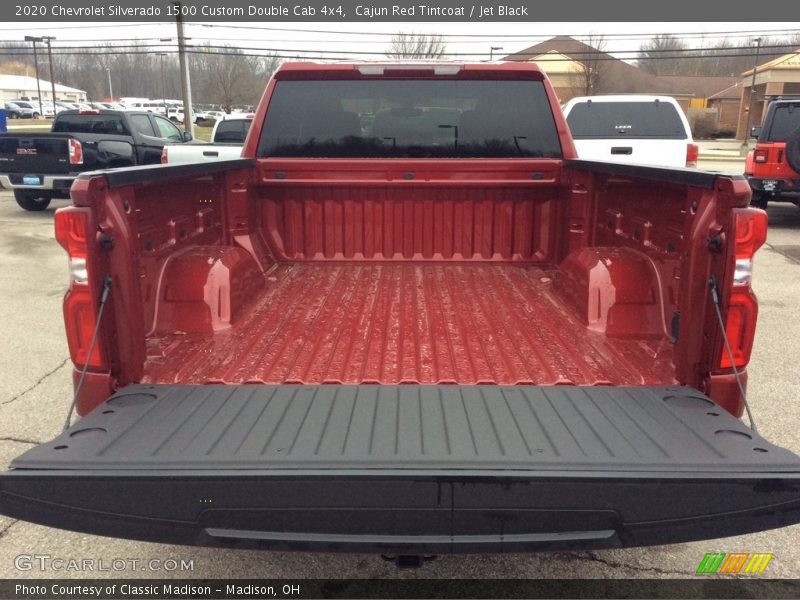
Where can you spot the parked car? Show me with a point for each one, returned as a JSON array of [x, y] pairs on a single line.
[[148, 105], [51, 109], [175, 114], [441, 334], [773, 167], [209, 115], [32, 106], [632, 129], [15, 111], [41, 166], [227, 140]]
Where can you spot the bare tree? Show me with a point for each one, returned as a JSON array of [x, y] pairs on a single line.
[[663, 55], [227, 77], [416, 45], [16, 58], [667, 55], [593, 65]]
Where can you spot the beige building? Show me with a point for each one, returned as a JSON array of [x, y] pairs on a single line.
[[577, 69], [777, 77]]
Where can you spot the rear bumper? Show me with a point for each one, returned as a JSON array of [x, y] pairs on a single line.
[[57, 183], [782, 185], [403, 513]]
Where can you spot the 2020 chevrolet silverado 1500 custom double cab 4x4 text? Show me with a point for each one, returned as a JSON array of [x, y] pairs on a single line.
[[38, 167], [409, 321]]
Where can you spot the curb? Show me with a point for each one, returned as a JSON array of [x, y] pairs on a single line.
[[721, 158]]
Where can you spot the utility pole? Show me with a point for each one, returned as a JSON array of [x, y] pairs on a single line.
[[48, 39], [186, 85], [110, 89], [491, 51], [161, 56], [746, 142], [30, 38]]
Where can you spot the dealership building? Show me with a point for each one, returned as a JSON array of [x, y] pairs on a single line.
[[22, 87]]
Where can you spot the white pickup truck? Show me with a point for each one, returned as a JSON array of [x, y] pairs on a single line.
[[227, 139], [632, 129]]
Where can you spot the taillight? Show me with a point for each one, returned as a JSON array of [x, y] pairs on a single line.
[[80, 302], [760, 156], [164, 155], [692, 152], [750, 228], [75, 152]]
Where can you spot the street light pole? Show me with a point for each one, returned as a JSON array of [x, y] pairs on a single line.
[[491, 51], [48, 39], [34, 39], [746, 142]]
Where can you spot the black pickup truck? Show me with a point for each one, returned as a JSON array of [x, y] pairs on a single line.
[[41, 166]]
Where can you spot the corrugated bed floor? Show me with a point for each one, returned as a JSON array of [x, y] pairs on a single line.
[[395, 323], [368, 426]]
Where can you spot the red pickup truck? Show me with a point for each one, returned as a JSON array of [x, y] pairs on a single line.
[[409, 321]]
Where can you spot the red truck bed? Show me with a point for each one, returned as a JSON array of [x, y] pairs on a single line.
[[395, 323]]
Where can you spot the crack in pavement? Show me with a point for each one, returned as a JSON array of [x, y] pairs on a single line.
[[593, 557], [5, 529], [35, 385], [783, 254], [20, 441]]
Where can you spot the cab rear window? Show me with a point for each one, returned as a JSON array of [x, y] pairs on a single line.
[[232, 132], [409, 119], [106, 124], [637, 120], [785, 121]]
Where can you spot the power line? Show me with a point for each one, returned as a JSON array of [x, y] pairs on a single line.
[[626, 36], [595, 54], [310, 55], [466, 40], [508, 35]]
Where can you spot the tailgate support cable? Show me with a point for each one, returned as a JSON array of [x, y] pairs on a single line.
[[103, 298], [712, 286]]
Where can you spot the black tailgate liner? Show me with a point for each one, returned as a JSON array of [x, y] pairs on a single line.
[[407, 469]]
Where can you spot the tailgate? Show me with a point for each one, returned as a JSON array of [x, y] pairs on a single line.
[[35, 154], [661, 152], [407, 469]]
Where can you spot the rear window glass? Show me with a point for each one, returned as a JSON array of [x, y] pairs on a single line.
[[409, 119], [658, 120], [232, 132], [785, 121], [106, 124]]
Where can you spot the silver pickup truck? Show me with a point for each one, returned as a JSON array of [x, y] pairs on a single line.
[[227, 139]]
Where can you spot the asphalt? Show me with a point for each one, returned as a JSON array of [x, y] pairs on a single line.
[[35, 390]]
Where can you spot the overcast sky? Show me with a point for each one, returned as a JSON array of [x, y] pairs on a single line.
[[374, 37]]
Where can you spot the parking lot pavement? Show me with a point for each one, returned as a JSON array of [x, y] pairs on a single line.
[[35, 391]]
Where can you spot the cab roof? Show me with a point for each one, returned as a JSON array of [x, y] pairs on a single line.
[[406, 68]]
